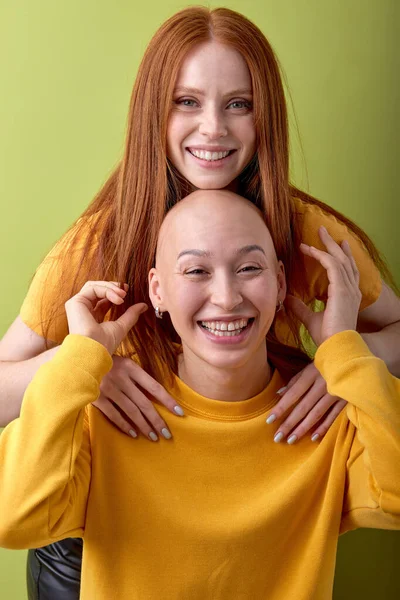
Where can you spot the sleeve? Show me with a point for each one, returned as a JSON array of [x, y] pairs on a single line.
[[372, 497], [53, 279], [310, 218], [45, 455]]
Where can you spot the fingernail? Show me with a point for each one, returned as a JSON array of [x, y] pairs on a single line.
[[278, 437], [179, 411], [315, 437], [282, 389], [153, 436], [133, 433], [271, 419], [292, 439], [166, 433]]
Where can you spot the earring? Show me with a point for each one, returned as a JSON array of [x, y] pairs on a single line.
[[280, 306], [158, 312]]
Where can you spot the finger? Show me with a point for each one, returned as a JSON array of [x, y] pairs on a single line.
[[316, 413], [107, 408], [142, 413], [333, 248], [303, 382], [347, 250], [134, 414], [337, 251], [129, 318], [335, 270], [330, 418], [301, 410], [97, 290], [153, 388]]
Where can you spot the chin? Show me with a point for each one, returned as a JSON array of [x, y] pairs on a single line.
[[210, 183]]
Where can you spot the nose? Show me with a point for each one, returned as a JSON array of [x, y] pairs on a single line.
[[212, 124], [226, 294]]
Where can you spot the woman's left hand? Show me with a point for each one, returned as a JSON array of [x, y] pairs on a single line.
[[308, 388]]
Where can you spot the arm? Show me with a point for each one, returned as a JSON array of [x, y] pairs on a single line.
[[373, 395], [22, 352], [45, 453], [45, 463], [379, 325]]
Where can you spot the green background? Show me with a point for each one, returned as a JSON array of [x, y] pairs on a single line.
[[66, 74]]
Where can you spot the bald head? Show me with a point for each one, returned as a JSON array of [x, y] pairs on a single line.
[[216, 263], [211, 213]]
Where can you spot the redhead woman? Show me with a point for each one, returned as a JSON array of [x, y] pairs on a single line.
[[217, 284], [219, 121]]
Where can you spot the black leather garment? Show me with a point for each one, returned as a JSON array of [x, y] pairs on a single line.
[[54, 572]]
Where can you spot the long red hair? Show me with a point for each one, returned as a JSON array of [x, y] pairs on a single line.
[[126, 215]]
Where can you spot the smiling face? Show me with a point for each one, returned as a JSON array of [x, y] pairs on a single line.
[[211, 136], [218, 277]]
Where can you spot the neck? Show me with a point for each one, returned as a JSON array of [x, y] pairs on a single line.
[[229, 385]]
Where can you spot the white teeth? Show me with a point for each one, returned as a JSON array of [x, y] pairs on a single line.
[[224, 328], [209, 156]]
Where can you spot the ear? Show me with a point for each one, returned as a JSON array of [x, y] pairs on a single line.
[[155, 289], [281, 278]]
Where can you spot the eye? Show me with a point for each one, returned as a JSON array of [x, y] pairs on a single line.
[[196, 272], [250, 269], [186, 102], [240, 104]]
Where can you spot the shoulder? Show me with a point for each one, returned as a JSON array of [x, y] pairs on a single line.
[[310, 217]]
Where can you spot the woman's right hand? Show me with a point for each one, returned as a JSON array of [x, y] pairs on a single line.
[[120, 399]]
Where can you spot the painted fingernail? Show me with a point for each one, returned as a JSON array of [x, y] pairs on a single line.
[[153, 436], [282, 390], [292, 439], [270, 419], [315, 437], [179, 411], [278, 437], [133, 433], [166, 433]]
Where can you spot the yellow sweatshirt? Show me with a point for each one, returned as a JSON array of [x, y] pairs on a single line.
[[219, 512]]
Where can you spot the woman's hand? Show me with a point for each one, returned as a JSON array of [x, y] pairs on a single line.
[[308, 389], [120, 400], [344, 295], [120, 387], [86, 311], [307, 393]]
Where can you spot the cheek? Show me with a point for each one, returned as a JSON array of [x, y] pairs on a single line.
[[183, 300], [247, 133], [265, 298], [176, 131]]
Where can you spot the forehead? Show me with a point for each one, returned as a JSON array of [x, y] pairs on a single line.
[[219, 227], [213, 60]]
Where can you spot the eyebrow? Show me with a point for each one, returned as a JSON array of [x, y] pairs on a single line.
[[206, 254], [193, 90], [194, 252]]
